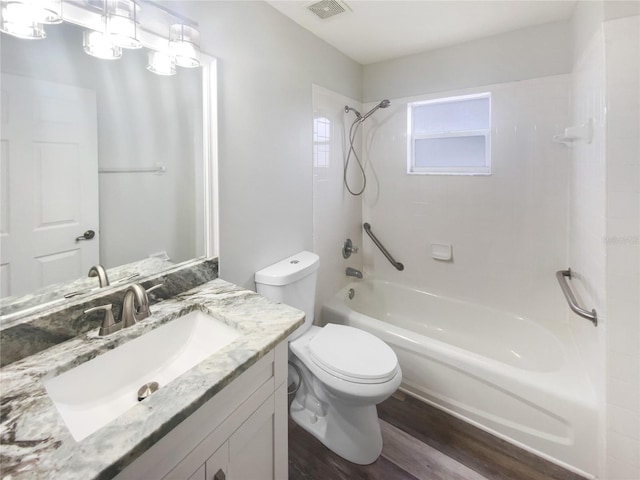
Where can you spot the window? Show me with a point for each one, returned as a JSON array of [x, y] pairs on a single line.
[[450, 136], [321, 142]]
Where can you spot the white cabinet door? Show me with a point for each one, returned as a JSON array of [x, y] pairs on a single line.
[[48, 183], [199, 475], [217, 465], [251, 452]]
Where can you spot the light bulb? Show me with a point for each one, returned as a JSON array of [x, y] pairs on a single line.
[[184, 45], [121, 23], [161, 63], [98, 45], [17, 19]]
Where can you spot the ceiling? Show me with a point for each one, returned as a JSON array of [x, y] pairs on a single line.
[[377, 30]]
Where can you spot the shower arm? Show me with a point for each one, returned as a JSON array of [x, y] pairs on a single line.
[[398, 265]]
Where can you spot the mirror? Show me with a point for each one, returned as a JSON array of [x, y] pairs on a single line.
[[114, 149]]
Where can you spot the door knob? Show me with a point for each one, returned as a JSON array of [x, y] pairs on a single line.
[[88, 235]]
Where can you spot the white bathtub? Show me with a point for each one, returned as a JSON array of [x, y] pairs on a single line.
[[505, 374]]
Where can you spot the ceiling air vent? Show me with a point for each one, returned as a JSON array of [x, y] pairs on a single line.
[[328, 8]]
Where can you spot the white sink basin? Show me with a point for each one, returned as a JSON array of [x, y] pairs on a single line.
[[100, 390]]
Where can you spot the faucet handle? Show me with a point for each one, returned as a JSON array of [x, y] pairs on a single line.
[[109, 324], [151, 289], [348, 248], [143, 309]]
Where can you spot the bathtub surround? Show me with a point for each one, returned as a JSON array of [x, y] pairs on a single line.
[[604, 219], [622, 243], [332, 204], [587, 202], [30, 334], [37, 444], [508, 229]]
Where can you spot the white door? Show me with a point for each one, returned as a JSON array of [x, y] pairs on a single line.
[[48, 184]]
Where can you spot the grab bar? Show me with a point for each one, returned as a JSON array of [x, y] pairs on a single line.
[[398, 265], [562, 275]]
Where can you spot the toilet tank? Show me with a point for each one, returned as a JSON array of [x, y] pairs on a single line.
[[292, 281]]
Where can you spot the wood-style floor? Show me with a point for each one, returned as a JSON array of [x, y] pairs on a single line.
[[422, 443]]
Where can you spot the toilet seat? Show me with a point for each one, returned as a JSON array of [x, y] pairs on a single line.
[[352, 354]]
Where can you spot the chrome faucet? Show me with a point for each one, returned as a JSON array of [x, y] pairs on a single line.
[[352, 272], [101, 273], [133, 295], [135, 307]]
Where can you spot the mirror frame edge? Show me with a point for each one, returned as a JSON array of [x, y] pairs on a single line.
[[210, 155]]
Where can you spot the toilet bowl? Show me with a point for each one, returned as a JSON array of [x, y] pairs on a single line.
[[345, 372], [341, 386]]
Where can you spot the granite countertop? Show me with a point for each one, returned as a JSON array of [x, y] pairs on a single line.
[[35, 442], [52, 294]]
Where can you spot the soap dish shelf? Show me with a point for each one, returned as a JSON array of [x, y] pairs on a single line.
[[583, 133]]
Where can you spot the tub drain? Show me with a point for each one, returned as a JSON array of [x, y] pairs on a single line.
[[146, 390]]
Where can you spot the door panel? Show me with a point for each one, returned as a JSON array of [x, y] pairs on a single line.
[[48, 182]]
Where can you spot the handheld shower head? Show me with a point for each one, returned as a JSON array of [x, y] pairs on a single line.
[[382, 104], [353, 131]]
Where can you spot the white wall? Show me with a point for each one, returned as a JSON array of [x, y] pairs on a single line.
[[587, 199], [622, 243], [527, 53], [337, 215], [267, 66], [508, 230]]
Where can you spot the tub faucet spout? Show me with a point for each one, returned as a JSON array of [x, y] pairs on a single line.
[[352, 272]]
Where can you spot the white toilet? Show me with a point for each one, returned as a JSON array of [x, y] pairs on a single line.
[[345, 371]]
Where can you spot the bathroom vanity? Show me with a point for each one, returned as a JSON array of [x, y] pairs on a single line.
[[224, 418], [240, 433]]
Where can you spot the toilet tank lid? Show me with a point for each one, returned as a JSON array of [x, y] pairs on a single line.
[[289, 270]]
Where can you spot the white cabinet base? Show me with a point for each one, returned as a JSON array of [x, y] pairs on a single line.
[[240, 434]]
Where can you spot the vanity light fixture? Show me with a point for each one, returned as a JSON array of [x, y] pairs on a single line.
[[184, 45], [97, 44], [36, 11], [111, 26], [121, 22], [161, 63], [25, 18], [19, 27]]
